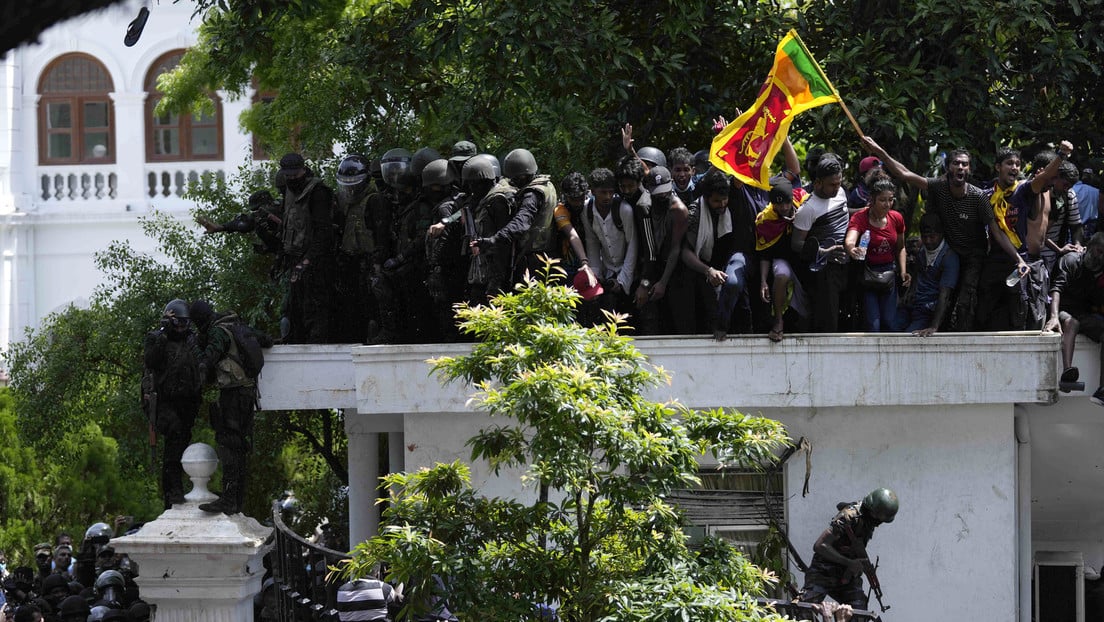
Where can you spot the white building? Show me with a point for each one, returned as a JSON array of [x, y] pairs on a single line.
[[82, 155], [994, 477], [998, 477]]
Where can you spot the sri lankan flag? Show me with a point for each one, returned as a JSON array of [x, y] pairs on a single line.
[[746, 147]]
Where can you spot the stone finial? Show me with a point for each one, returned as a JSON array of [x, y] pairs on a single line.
[[199, 462]]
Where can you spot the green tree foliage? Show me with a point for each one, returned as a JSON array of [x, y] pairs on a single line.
[[571, 414], [40, 497], [561, 79], [947, 74], [75, 380]]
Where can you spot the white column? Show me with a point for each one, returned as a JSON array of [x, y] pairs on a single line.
[[1023, 514], [396, 452], [130, 149], [363, 478], [198, 566]]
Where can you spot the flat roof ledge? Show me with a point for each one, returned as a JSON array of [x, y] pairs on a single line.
[[746, 371]]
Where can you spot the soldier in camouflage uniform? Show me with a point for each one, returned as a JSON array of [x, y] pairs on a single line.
[[839, 555], [232, 417], [308, 253]]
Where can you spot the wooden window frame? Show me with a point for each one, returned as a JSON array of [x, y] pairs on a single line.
[[76, 100], [184, 125]]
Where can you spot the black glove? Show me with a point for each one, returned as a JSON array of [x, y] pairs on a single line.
[[393, 264]]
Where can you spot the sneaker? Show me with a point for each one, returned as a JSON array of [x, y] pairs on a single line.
[[1098, 397]]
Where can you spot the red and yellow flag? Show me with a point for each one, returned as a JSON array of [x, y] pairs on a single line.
[[747, 146]]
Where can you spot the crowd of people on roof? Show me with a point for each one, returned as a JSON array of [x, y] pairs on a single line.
[[682, 248]]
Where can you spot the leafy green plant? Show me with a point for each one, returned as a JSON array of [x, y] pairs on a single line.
[[570, 410]]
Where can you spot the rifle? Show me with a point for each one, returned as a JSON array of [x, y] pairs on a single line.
[[870, 570], [469, 223], [149, 405]]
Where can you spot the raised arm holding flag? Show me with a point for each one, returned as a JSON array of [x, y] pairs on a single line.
[[746, 147]]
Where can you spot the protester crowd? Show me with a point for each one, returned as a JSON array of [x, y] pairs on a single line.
[[89, 584], [680, 247]]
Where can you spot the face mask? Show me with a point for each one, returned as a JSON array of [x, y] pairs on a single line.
[[297, 185]]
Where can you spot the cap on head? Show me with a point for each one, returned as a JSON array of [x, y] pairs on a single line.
[[658, 180], [463, 150], [781, 190], [868, 163], [292, 162]]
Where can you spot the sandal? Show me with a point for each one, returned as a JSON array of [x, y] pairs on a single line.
[[775, 335]]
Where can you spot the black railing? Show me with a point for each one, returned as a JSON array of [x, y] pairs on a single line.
[[306, 590]]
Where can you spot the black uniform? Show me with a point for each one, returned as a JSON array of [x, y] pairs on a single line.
[[170, 359]]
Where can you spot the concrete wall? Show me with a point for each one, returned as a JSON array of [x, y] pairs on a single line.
[[931, 418]]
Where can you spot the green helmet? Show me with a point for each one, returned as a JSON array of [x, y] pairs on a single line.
[[436, 173], [881, 505], [477, 168], [519, 164]]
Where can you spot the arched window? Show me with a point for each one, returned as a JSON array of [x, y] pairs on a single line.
[[75, 114], [174, 137]]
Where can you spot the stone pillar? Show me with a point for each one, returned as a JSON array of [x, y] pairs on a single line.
[[364, 474], [197, 566], [130, 150]]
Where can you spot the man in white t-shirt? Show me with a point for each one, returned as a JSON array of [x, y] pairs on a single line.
[[822, 223]]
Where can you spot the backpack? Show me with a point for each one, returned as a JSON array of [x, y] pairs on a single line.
[[246, 346], [616, 209]]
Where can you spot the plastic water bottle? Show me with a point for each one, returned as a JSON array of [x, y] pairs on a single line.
[[864, 242], [1014, 277]]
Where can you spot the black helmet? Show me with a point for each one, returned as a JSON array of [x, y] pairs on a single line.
[[519, 164], [260, 199], [881, 505], [701, 161], [477, 168], [393, 166], [420, 159], [352, 170], [176, 308], [437, 173], [74, 606], [652, 156], [202, 312], [99, 533], [109, 578]]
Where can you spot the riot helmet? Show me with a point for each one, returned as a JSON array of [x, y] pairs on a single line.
[[881, 505], [100, 533], [110, 586], [177, 309], [652, 156], [520, 166], [394, 165], [352, 179]]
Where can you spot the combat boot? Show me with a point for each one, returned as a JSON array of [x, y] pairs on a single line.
[[229, 501]]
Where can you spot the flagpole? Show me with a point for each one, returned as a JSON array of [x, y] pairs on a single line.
[[847, 112]]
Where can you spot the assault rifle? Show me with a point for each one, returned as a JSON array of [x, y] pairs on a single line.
[[870, 570], [149, 405]]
